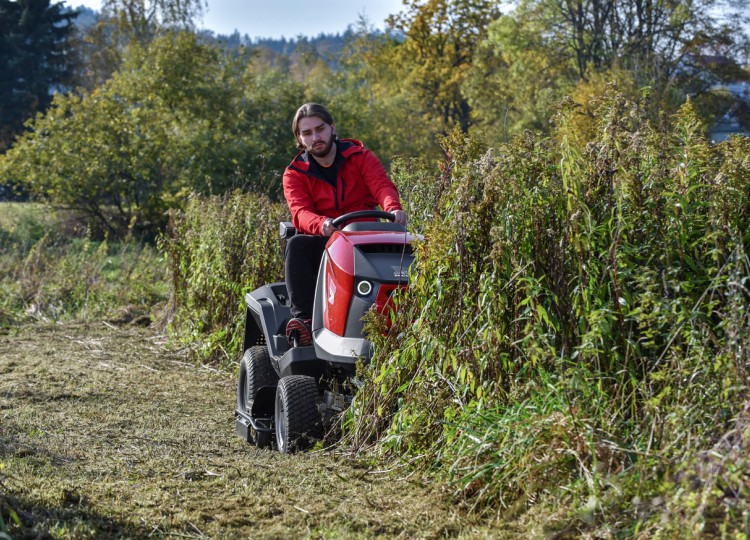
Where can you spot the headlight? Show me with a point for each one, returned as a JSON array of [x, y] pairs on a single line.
[[364, 288]]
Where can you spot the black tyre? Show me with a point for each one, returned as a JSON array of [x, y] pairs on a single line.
[[255, 372], [297, 420]]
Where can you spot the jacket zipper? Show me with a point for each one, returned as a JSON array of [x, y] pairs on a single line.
[[335, 188]]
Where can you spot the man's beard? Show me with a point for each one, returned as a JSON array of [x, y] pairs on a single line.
[[322, 152]]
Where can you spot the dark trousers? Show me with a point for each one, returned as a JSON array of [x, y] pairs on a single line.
[[303, 254]]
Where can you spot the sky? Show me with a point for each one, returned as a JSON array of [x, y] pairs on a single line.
[[287, 18]]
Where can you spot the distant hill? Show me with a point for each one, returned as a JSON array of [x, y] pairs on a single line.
[[87, 17], [325, 44]]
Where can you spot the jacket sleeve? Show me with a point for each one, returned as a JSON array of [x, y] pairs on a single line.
[[300, 202], [382, 187]]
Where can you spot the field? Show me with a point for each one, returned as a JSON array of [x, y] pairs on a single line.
[[105, 433], [570, 359]]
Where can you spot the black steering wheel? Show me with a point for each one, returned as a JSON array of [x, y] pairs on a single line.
[[341, 220]]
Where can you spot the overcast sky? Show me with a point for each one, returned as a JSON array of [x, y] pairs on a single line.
[[288, 18]]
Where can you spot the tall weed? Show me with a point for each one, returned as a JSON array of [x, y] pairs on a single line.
[[577, 318], [220, 248]]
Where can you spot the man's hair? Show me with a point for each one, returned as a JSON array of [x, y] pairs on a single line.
[[309, 109]]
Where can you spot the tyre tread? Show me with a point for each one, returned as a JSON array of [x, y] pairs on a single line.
[[304, 423]]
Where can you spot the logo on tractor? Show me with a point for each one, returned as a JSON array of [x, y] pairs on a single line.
[[401, 274]]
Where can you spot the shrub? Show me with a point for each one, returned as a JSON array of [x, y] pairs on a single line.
[[220, 248], [179, 117], [577, 320]]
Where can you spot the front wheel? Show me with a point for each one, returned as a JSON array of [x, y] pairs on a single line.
[[297, 420]]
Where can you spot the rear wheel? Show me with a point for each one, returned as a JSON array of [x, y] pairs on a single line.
[[297, 420], [255, 372]]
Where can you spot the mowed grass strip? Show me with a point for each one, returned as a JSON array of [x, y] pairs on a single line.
[[106, 433]]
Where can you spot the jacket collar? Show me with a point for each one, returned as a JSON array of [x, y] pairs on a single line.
[[345, 148]]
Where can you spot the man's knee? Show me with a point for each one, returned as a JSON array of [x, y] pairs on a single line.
[[290, 246]]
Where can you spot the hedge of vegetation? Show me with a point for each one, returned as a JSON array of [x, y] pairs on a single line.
[[220, 248], [574, 340]]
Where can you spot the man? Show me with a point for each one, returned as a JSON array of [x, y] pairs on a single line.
[[328, 178]]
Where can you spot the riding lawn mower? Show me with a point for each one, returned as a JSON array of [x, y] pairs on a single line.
[[287, 394]]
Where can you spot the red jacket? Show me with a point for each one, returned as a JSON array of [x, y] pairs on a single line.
[[362, 184]]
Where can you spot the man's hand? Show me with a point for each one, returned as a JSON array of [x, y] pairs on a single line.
[[400, 217], [328, 228]]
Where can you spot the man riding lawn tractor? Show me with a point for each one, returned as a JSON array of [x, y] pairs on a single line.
[[304, 337], [328, 178]]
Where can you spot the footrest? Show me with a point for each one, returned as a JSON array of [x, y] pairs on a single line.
[[280, 342], [243, 423]]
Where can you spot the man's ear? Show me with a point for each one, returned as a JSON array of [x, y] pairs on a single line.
[[333, 129]]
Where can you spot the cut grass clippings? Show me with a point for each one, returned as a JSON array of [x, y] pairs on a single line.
[[106, 434]]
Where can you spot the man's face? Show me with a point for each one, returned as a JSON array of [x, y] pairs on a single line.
[[316, 136]]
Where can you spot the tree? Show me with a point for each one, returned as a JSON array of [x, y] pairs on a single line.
[[544, 49], [34, 59], [142, 20], [653, 39], [520, 71], [179, 118], [126, 22], [441, 37], [364, 91]]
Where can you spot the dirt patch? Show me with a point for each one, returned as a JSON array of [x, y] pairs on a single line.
[[105, 433]]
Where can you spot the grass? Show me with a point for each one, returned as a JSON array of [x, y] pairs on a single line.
[[16, 215], [50, 269], [105, 433]]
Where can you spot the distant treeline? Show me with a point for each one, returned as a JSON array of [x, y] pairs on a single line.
[[148, 109]]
